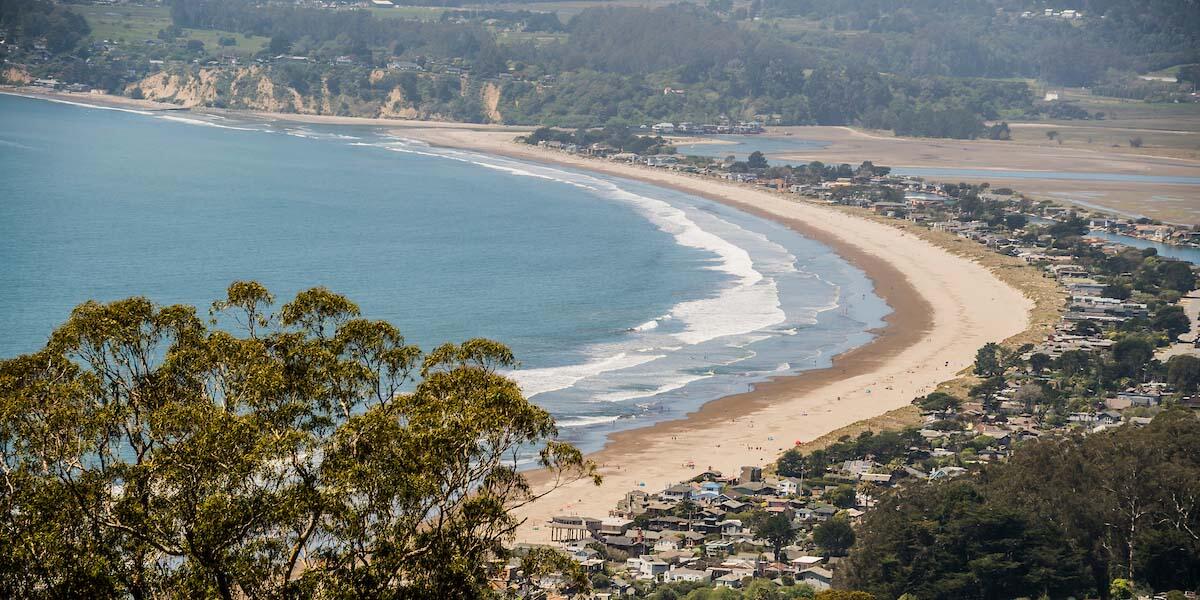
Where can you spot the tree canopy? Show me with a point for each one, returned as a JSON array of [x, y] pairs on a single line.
[[302, 450], [1064, 517]]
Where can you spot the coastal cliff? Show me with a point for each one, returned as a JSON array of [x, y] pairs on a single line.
[[374, 93]]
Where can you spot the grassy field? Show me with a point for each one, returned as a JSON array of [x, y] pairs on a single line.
[[136, 23], [125, 23], [1164, 129]]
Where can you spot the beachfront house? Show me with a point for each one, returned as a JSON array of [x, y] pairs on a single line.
[[677, 492]]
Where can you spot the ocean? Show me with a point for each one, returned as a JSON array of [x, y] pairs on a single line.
[[626, 303]]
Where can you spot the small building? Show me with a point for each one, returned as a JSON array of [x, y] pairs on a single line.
[[750, 474], [730, 580], [817, 577], [684, 574], [718, 548], [572, 528]]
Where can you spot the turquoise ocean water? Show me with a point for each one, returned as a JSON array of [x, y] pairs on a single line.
[[626, 303]]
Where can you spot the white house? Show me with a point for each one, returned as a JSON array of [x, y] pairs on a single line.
[[787, 486], [681, 574], [652, 568]]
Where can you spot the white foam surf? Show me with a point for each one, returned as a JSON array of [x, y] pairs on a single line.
[[549, 379], [751, 303], [203, 123], [587, 421], [80, 104], [667, 386]]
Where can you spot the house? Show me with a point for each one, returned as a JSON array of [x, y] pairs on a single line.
[[625, 544], [718, 548], [682, 574], [824, 512], [709, 490], [1082, 417], [731, 527], [730, 581], [755, 488], [890, 208], [750, 475], [805, 562], [877, 478], [818, 577], [661, 160], [677, 492], [787, 486], [650, 567], [857, 467], [614, 526], [1141, 398], [946, 473], [732, 505]]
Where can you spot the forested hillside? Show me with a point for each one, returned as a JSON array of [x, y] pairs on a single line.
[[993, 38], [1063, 517], [917, 67]]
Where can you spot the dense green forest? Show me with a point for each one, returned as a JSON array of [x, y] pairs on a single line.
[[1064, 517], [60, 28]]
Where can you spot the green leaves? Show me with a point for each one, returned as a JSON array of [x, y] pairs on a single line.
[[147, 454], [1062, 518]]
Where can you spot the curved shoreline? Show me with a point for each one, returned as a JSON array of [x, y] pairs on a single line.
[[911, 317], [944, 308]]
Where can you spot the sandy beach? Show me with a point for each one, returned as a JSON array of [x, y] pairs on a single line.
[[945, 308]]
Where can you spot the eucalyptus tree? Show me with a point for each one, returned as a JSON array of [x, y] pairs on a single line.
[[147, 452]]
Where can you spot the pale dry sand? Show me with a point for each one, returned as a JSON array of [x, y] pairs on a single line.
[[946, 308]]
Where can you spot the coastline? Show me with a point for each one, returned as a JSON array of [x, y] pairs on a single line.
[[944, 307], [939, 302], [1169, 202]]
